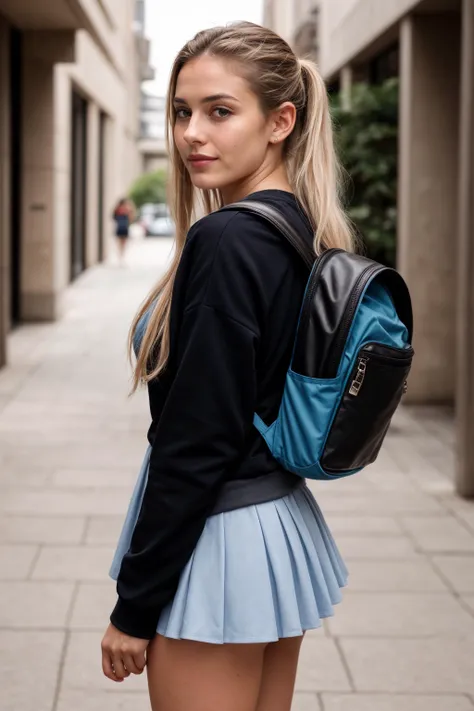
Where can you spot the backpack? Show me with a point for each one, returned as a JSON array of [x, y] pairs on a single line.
[[350, 363]]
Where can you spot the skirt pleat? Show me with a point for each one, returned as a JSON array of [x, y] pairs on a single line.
[[258, 573]]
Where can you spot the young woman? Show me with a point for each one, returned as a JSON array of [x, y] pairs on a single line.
[[123, 215], [225, 559]]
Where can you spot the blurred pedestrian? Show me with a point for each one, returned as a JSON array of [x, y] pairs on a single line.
[[225, 560], [123, 216]]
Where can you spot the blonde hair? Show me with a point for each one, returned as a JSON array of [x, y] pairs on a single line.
[[275, 75]]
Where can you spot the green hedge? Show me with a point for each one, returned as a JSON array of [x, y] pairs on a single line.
[[367, 140], [149, 187]]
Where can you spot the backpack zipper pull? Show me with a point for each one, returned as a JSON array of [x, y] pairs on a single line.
[[359, 378]]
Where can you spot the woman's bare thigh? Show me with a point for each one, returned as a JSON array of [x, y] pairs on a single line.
[[193, 676], [280, 663]]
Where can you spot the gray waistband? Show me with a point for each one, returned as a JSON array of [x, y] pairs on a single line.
[[247, 492]]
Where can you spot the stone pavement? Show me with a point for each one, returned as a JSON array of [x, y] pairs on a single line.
[[71, 444]]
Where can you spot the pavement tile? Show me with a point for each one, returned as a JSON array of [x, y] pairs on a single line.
[[305, 702], [384, 503], [469, 600], [16, 561], [73, 563], [467, 515], [458, 570], [41, 529], [390, 480], [14, 475], [394, 576], [29, 666], [83, 667], [385, 548], [400, 615], [35, 605], [429, 666], [359, 484], [78, 478], [93, 605], [50, 502], [104, 451], [406, 453], [440, 534], [397, 702], [362, 525], [78, 700], [320, 667], [102, 530], [12, 378]]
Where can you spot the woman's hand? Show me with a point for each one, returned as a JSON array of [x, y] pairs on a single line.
[[122, 655]]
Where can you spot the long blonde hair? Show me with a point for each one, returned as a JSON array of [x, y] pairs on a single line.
[[275, 75]]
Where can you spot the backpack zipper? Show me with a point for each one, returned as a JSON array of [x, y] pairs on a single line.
[[359, 376]]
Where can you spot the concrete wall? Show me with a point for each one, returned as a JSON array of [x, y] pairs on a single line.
[[285, 16], [349, 26], [280, 16]]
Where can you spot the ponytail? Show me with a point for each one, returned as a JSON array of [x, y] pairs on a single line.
[[315, 172]]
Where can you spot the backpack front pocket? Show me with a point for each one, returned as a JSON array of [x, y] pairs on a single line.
[[372, 394], [303, 420]]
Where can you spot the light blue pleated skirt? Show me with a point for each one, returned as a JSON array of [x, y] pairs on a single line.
[[257, 573]]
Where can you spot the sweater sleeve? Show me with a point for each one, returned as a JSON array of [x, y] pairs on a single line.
[[200, 437]]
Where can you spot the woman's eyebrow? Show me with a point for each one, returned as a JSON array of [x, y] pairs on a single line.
[[207, 99]]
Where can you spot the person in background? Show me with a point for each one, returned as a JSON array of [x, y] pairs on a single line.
[[123, 216]]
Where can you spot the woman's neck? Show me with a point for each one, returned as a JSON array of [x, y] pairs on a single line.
[[277, 180]]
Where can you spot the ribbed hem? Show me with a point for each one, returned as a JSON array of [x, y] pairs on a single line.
[[133, 620]]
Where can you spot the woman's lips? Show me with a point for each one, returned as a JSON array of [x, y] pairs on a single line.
[[201, 162]]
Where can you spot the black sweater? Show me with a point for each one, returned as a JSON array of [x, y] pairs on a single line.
[[234, 314]]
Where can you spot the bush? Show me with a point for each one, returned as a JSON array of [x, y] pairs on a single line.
[[149, 187], [367, 140]]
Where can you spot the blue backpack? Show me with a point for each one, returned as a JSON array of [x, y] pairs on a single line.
[[351, 358]]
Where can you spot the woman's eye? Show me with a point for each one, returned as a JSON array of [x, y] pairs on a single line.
[[220, 112], [182, 113]]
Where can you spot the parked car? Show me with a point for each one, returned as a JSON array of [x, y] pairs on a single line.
[[146, 215], [161, 227], [156, 220]]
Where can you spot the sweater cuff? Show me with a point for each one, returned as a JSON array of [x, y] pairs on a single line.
[[134, 621]]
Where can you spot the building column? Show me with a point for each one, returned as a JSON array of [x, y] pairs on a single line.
[[428, 173], [5, 195], [40, 298], [465, 291], [92, 197]]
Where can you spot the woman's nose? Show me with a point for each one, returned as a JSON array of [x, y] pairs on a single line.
[[193, 132]]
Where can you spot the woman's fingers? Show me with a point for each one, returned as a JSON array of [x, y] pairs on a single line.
[[140, 659], [120, 671], [107, 666], [132, 663]]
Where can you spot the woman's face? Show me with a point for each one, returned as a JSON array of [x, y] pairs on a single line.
[[218, 118]]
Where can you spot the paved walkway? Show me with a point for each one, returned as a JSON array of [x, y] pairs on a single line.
[[70, 447]]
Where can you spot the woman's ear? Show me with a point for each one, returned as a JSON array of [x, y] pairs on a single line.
[[283, 122]]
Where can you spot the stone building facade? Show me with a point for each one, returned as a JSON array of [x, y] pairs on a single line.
[[70, 76]]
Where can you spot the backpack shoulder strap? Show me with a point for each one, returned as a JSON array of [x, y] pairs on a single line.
[[275, 217]]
